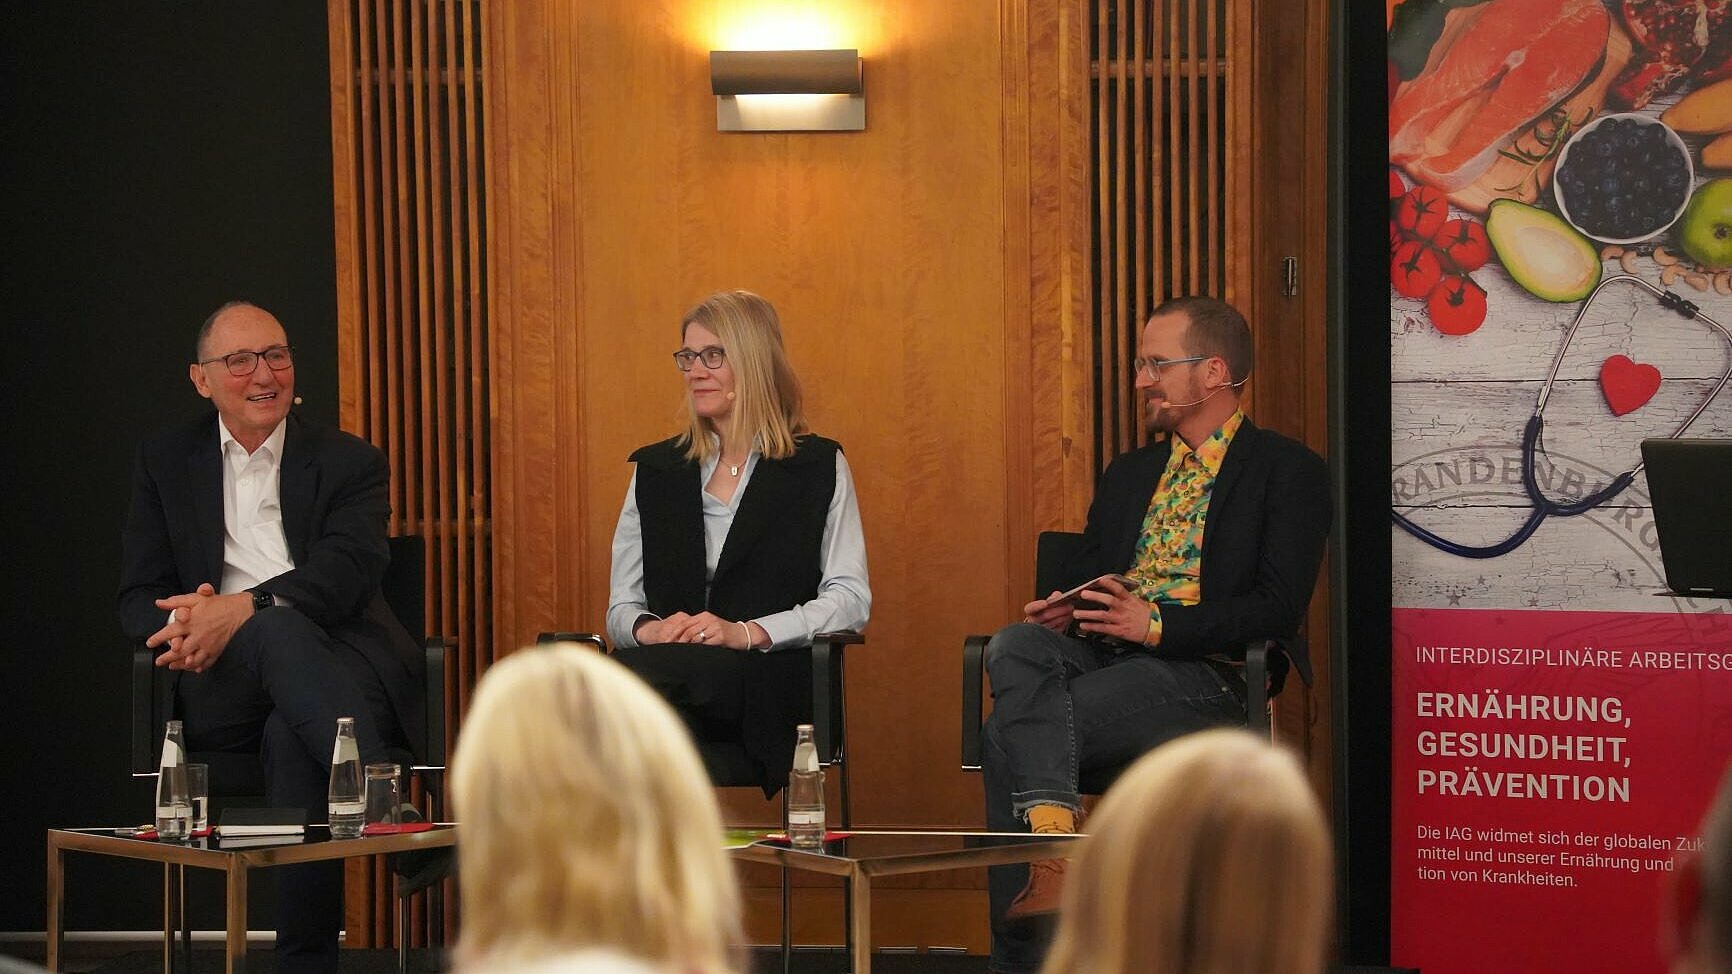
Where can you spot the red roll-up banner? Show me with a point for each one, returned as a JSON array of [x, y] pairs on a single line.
[[1559, 720]]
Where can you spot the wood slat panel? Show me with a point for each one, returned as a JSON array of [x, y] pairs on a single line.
[[1212, 130], [1106, 416], [1179, 125], [1193, 156], [1170, 153], [479, 507], [1140, 127], [406, 132]]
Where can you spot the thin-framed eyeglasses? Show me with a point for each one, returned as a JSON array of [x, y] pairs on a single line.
[[243, 364], [712, 355], [1152, 366]]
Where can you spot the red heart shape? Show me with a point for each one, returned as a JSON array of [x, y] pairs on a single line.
[[1627, 385]]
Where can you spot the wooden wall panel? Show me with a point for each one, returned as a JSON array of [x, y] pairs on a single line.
[[936, 278], [884, 252]]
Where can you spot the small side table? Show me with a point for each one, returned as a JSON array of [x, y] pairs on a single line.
[[316, 846], [861, 856]]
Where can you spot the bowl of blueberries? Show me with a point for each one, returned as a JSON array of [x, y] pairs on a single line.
[[1623, 178]]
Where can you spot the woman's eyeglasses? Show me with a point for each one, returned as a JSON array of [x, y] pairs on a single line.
[[712, 355]]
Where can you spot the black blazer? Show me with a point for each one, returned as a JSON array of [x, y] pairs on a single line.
[[1263, 542], [334, 500]]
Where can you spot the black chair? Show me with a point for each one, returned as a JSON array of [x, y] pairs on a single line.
[[729, 765], [1266, 665], [240, 778]]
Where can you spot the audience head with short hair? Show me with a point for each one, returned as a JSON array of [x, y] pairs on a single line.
[[1702, 894], [1208, 855], [767, 408], [588, 822]]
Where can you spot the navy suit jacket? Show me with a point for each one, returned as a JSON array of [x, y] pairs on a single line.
[[1263, 542], [333, 491]]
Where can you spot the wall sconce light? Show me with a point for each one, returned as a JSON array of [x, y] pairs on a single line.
[[788, 91]]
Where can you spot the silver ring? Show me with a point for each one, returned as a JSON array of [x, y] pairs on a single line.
[[703, 634]]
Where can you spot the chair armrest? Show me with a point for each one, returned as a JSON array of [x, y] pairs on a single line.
[[432, 750], [829, 700], [973, 676], [1257, 686], [594, 639], [146, 728]]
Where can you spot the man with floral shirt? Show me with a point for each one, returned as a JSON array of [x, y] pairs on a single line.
[[1220, 525]]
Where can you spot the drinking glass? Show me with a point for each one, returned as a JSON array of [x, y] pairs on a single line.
[[198, 792], [382, 803]]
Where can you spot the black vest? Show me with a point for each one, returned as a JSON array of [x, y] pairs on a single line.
[[772, 558], [772, 561]]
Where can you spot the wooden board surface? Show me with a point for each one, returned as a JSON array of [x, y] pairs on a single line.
[[1458, 407]]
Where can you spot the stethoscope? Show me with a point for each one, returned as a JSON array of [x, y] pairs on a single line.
[[1533, 440]]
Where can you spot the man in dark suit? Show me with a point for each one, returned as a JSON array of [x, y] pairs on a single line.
[[252, 556], [1220, 526]]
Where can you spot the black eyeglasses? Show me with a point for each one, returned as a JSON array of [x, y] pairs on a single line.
[[713, 356], [1152, 366], [242, 364]]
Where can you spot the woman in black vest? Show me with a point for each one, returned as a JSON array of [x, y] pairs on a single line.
[[739, 540]]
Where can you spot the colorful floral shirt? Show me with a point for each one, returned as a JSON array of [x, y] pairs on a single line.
[[1169, 554]]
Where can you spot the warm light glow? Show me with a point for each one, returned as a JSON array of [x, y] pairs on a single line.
[[784, 103], [786, 25], [794, 113]]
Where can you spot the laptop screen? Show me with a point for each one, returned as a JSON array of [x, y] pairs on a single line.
[[1690, 484]]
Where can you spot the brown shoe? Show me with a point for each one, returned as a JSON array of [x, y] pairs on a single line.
[[1042, 894]]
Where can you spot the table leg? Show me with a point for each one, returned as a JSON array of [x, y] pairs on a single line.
[[787, 924], [859, 914], [56, 901], [168, 922], [185, 922], [235, 900], [402, 927]]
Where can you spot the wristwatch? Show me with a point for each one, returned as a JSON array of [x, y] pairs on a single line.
[[262, 600]]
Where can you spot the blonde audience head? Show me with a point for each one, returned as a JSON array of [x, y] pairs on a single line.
[[1208, 856], [1702, 895], [768, 404], [588, 822]]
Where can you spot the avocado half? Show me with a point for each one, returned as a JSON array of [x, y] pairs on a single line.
[[1541, 252]]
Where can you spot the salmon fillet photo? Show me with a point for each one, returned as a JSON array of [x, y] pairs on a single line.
[[1506, 66]]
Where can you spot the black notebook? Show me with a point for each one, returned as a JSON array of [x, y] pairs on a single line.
[[262, 821], [1690, 485]]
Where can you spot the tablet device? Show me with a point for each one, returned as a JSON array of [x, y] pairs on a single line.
[[1071, 595]]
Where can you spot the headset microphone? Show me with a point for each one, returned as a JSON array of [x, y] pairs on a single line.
[[1211, 395], [297, 400]]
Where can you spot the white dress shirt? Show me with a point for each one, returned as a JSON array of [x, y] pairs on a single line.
[[254, 546], [844, 599]]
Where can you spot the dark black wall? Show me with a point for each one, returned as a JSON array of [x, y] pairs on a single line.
[[1362, 556], [157, 160]]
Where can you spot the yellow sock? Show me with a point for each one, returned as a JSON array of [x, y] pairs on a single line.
[[1051, 818]]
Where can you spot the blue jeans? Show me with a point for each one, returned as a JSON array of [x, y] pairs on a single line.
[[1065, 708]]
